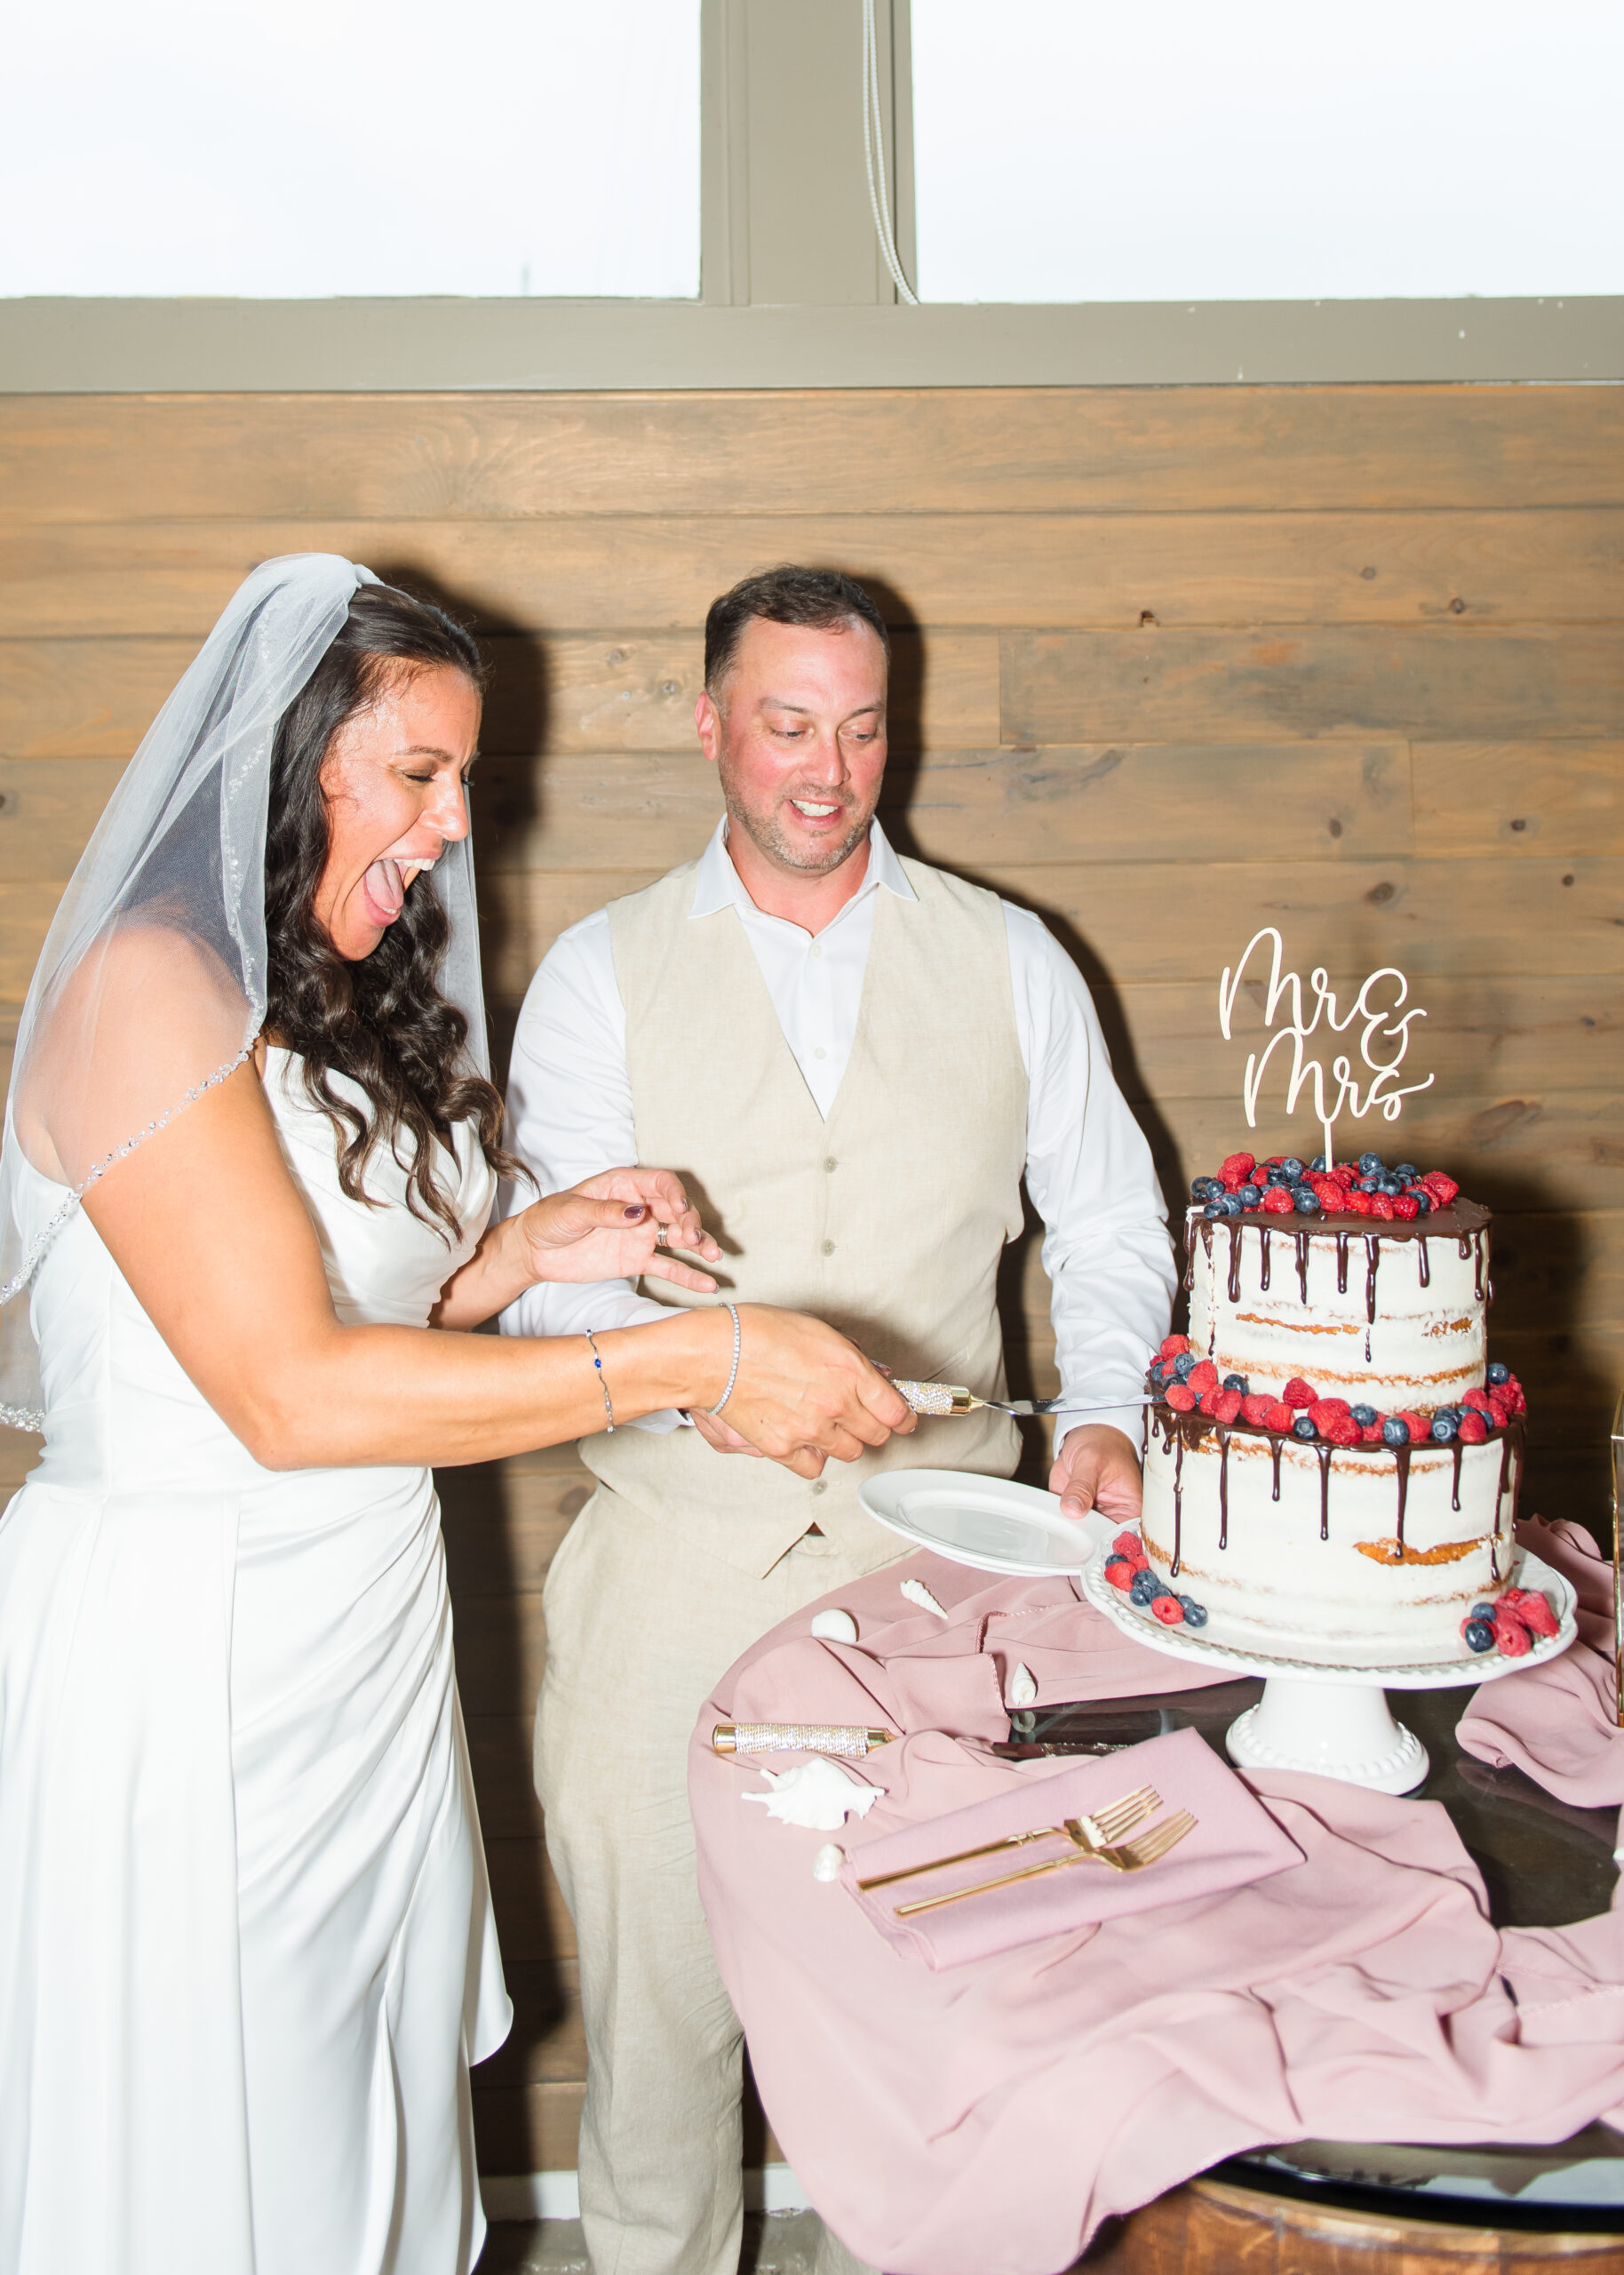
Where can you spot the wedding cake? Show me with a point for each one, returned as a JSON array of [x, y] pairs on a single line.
[[1332, 1457]]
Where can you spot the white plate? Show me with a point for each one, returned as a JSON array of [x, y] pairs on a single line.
[[984, 1521], [1228, 1651]]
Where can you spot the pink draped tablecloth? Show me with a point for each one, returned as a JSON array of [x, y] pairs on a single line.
[[984, 2119]]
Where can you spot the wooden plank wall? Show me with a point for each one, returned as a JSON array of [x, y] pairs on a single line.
[[1171, 665]]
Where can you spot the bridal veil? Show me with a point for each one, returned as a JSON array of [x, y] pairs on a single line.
[[177, 858]]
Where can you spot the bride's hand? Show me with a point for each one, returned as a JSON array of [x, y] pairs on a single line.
[[606, 1228], [803, 1393]]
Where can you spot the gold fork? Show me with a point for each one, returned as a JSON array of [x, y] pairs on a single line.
[[1112, 1823], [1127, 1856]]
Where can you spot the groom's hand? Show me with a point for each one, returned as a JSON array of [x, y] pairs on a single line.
[[1098, 1468]]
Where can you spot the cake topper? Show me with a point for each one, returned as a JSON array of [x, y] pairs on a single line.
[[1380, 1022]]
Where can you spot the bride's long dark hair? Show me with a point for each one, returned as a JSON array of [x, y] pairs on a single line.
[[381, 1021]]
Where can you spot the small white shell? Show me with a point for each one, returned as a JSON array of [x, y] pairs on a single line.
[[815, 1793], [1023, 1687], [827, 1862], [834, 1626], [917, 1593]]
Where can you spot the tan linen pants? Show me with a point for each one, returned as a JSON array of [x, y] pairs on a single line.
[[641, 1627]]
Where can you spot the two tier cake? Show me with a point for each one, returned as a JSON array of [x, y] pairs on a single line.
[[1332, 1457]]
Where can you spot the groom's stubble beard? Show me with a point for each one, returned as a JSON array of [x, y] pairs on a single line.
[[765, 833]]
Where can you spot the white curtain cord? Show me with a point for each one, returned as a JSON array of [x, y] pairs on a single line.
[[873, 150]]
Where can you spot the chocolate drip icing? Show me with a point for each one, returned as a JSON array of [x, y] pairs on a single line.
[[1192, 1225], [1182, 1434], [1510, 1468], [1516, 1435], [1464, 1221]]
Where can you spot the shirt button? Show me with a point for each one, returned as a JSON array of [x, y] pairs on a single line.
[[819, 1484], [828, 1247], [820, 1052], [817, 949], [830, 1165]]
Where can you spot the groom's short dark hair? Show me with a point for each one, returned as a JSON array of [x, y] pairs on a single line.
[[825, 599]]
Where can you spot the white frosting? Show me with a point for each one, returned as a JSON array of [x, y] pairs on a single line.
[[1425, 1347], [815, 1793], [1277, 1576]]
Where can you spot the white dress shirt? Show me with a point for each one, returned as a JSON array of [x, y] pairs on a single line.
[[1088, 1168]]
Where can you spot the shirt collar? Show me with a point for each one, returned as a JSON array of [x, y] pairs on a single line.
[[717, 883]]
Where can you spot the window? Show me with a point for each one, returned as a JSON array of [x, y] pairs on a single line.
[[1066, 150], [299, 149]]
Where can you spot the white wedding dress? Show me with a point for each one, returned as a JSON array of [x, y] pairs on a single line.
[[246, 1946]]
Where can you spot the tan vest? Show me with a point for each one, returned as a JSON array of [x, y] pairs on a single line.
[[889, 1219]]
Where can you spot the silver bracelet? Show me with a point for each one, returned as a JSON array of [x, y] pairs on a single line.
[[733, 1369], [609, 1403]]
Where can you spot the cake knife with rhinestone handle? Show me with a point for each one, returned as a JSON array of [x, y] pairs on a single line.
[[798, 1737], [952, 1398]]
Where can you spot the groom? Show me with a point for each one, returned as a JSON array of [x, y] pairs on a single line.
[[854, 1060]]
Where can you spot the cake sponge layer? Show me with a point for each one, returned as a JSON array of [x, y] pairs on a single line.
[[1330, 1559], [1392, 1317]]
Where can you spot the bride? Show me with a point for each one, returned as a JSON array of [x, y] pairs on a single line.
[[246, 1950]]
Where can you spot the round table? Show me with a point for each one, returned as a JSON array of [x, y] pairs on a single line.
[[1306, 2207]]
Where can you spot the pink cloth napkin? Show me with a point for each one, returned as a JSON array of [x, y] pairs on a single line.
[[1234, 1842], [1558, 1722]]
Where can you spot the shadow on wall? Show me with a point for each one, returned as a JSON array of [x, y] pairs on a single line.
[[483, 1528], [909, 671], [505, 803]]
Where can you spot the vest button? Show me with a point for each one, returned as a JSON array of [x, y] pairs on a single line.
[[828, 1247], [830, 1165]]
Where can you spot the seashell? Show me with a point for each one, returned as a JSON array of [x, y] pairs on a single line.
[[1023, 1687], [834, 1626], [917, 1593], [827, 1862], [815, 1793]]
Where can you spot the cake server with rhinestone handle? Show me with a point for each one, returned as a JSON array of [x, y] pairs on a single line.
[[952, 1398]]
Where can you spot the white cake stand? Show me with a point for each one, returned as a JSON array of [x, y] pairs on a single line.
[[1326, 1715]]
